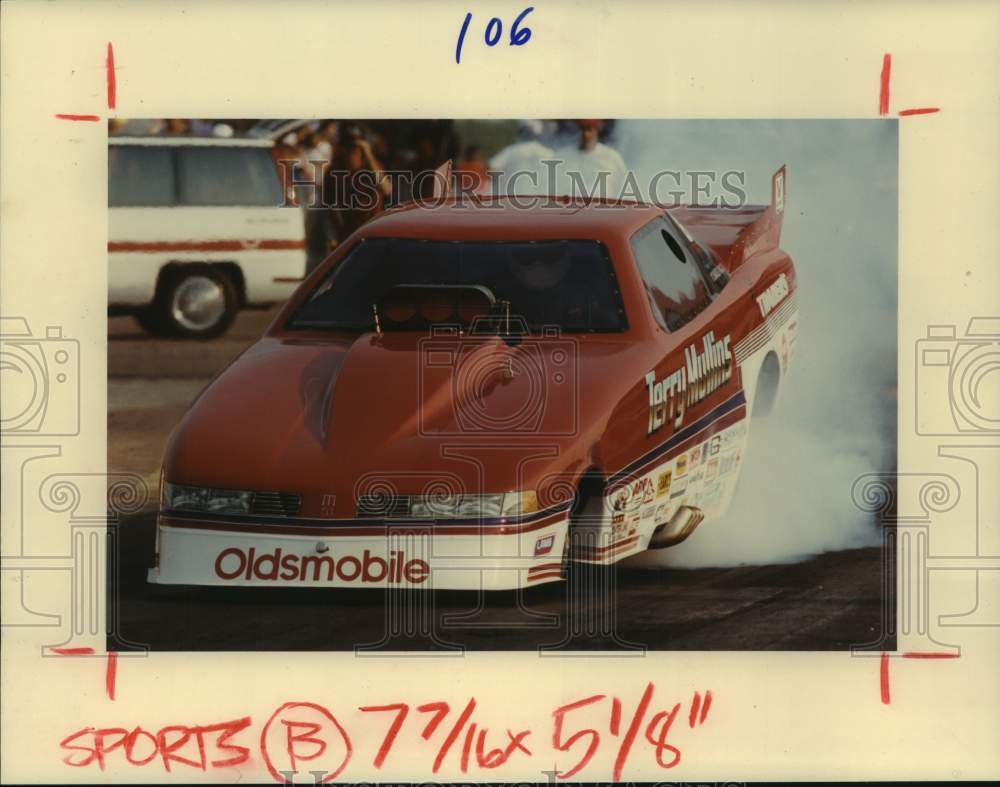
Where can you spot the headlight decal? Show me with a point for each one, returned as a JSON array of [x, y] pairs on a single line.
[[178, 497]]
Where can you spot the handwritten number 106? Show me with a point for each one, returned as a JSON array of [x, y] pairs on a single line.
[[519, 36]]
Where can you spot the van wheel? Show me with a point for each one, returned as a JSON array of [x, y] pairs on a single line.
[[195, 303]]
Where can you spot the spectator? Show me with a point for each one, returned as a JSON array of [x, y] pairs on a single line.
[[315, 154], [176, 127], [585, 163], [359, 186], [286, 152], [525, 155], [470, 172]]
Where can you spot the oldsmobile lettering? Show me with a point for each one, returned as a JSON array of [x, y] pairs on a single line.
[[235, 563], [703, 373]]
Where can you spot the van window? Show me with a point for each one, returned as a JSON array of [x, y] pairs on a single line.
[[140, 176], [676, 289], [227, 176]]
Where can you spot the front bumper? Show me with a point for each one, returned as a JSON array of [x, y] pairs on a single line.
[[460, 555]]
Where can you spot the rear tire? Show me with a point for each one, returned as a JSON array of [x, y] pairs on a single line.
[[766, 393], [194, 302]]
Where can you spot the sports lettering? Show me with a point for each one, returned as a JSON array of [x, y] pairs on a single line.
[[234, 563], [702, 373]]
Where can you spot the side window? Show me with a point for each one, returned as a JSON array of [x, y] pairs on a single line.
[[140, 176], [676, 288], [215, 176]]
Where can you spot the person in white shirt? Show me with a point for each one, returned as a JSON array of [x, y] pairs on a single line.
[[524, 156], [589, 158]]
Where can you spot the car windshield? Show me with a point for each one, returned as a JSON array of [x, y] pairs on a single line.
[[568, 284]]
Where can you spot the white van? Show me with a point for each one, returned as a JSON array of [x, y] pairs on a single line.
[[196, 232]]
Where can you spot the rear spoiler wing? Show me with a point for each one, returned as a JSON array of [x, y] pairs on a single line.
[[737, 234], [764, 233]]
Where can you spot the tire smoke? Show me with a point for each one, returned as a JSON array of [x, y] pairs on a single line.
[[836, 416]]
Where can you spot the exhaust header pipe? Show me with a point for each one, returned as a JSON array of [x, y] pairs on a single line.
[[677, 528]]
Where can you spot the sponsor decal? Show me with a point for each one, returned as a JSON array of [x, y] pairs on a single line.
[[702, 373], [715, 445], [682, 464], [633, 522], [679, 489], [695, 457], [663, 484], [235, 563], [327, 504], [648, 511], [544, 545], [661, 512], [773, 295], [631, 496], [617, 519], [623, 498], [696, 476], [712, 470]]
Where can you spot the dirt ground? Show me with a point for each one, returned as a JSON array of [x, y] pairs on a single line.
[[151, 382]]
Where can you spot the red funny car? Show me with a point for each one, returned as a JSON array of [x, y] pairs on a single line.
[[469, 396]]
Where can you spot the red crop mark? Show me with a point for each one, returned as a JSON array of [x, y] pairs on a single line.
[[73, 651], [884, 678], [883, 94], [110, 674], [930, 655], [109, 70], [912, 654], [109, 67]]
